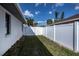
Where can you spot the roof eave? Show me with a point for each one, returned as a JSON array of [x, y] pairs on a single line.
[[15, 10], [20, 11], [66, 21]]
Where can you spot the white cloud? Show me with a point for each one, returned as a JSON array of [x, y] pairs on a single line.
[[42, 21], [28, 13], [59, 4], [37, 12], [37, 4], [76, 7], [45, 4], [50, 12], [52, 6], [53, 9]]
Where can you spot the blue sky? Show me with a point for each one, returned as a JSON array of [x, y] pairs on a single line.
[[44, 11]]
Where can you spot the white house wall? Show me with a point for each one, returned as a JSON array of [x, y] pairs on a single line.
[[6, 41]]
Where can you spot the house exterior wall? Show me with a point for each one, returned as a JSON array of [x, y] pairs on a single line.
[[6, 41]]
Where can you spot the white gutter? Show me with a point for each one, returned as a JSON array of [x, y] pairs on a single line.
[[20, 11]]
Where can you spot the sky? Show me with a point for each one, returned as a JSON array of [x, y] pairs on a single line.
[[43, 11]]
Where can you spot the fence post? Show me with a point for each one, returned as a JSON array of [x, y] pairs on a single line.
[[54, 32], [75, 36]]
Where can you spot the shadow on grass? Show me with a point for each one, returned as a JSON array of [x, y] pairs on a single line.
[[28, 46]]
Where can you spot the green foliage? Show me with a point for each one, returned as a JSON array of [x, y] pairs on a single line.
[[29, 21], [60, 18], [35, 24], [56, 15], [49, 21], [56, 49], [62, 15]]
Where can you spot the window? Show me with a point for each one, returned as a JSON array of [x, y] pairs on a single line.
[[7, 19], [22, 27]]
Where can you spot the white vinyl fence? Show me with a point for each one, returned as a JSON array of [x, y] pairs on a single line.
[[48, 32], [32, 31], [63, 34]]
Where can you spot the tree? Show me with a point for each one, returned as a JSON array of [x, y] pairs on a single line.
[[49, 21], [30, 21], [62, 15], [60, 18], [56, 15], [35, 24]]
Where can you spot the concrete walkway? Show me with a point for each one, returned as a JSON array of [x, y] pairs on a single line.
[[28, 46]]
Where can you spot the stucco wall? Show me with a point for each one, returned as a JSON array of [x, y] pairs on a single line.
[[6, 41]]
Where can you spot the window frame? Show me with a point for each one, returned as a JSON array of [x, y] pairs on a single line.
[[8, 23]]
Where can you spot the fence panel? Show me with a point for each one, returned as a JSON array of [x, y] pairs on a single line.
[[64, 35]]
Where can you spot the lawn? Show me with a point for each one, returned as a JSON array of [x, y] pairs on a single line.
[[56, 49], [38, 46]]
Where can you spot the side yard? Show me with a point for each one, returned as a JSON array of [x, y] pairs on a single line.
[[28, 46], [38, 46], [56, 49]]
